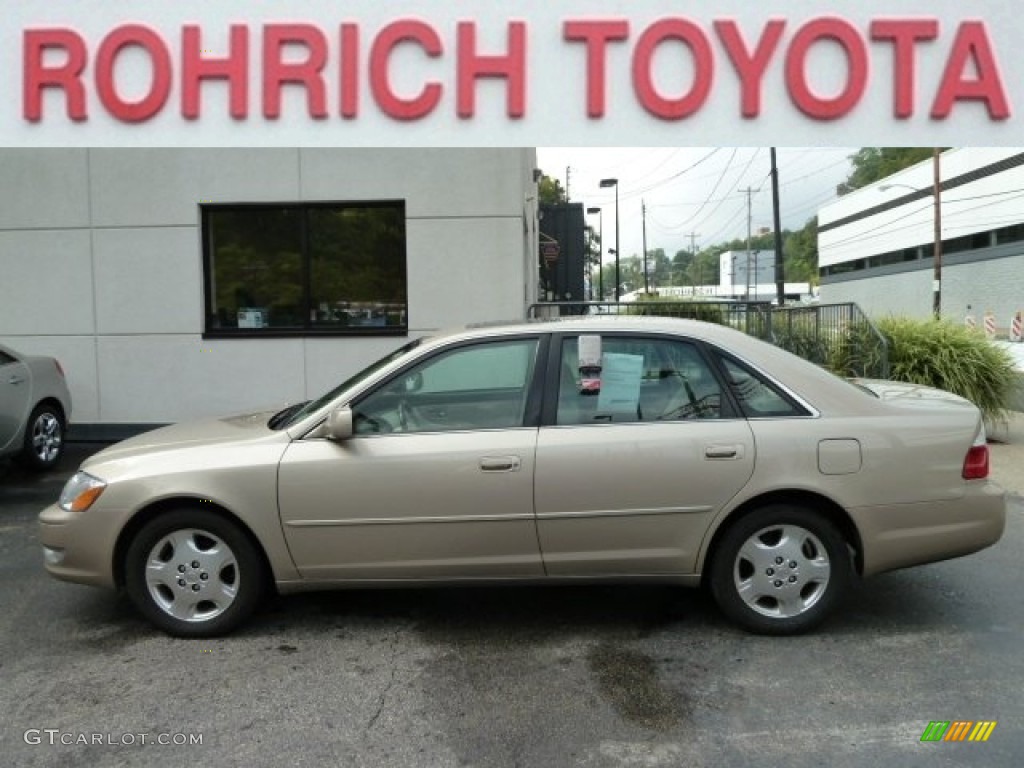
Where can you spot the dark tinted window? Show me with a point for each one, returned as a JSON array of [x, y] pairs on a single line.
[[319, 268]]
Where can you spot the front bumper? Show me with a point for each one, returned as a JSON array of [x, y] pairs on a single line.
[[902, 535], [79, 546]]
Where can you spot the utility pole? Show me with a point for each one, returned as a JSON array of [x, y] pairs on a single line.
[[693, 253], [568, 173], [780, 262], [643, 224], [750, 219]]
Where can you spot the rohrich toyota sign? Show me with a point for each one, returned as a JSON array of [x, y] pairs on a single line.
[[91, 72]]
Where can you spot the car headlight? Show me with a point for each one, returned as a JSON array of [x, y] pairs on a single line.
[[81, 492]]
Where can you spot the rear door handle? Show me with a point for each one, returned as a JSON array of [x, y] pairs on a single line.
[[15, 380], [723, 452], [500, 463]]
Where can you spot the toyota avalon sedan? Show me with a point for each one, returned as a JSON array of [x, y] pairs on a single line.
[[607, 449]]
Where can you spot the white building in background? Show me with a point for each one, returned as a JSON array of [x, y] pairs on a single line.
[[179, 283], [875, 245], [740, 269]]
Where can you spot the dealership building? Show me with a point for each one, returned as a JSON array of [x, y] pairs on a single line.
[[876, 244], [180, 283]]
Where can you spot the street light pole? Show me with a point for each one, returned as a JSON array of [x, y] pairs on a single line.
[[605, 183], [600, 250], [643, 219], [937, 224]]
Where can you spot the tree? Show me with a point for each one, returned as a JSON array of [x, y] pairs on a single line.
[[801, 254], [550, 191], [873, 163], [681, 264]]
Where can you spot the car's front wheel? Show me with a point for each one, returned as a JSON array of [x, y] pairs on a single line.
[[44, 438], [193, 573], [780, 570]]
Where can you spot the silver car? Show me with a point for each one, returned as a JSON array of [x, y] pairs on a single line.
[[35, 406], [601, 449]]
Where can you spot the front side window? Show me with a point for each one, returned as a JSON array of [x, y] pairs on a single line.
[[640, 379], [478, 386], [323, 268]]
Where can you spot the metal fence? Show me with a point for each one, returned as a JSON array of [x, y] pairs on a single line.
[[838, 336]]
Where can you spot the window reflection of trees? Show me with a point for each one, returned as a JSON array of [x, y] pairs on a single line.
[[313, 267]]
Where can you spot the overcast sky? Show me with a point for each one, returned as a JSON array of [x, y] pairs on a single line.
[[695, 190]]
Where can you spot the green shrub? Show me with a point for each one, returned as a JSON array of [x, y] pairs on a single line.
[[941, 354], [858, 352], [692, 309]]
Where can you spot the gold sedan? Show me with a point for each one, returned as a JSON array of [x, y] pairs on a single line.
[[599, 449]]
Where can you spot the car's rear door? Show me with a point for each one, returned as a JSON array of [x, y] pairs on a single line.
[[437, 482], [629, 478]]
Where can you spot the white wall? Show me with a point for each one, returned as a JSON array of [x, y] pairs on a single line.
[[989, 203], [995, 285], [101, 265]]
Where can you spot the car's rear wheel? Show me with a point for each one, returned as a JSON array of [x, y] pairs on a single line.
[[193, 573], [44, 438], [780, 570]]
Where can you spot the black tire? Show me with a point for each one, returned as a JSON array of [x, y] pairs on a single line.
[[214, 579], [770, 597], [43, 445]]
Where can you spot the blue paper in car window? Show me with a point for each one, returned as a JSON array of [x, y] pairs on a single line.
[[620, 383]]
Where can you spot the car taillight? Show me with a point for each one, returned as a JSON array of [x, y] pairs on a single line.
[[976, 460], [59, 369]]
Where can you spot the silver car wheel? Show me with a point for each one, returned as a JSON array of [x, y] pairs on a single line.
[[192, 575], [781, 571], [47, 436]]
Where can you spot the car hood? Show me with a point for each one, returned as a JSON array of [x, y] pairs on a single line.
[[192, 434], [902, 393]]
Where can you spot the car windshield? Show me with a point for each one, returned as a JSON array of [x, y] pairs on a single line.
[[295, 413]]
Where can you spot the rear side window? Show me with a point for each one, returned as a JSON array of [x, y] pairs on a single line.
[[641, 379], [757, 396], [5, 359]]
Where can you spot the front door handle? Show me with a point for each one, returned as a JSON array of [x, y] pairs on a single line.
[[723, 452], [500, 463]]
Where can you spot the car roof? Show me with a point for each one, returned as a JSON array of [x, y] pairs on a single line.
[[597, 324]]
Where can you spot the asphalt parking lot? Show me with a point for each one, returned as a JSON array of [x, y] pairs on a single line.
[[588, 677]]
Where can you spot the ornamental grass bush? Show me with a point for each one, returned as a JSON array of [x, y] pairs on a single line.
[[675, 306], [941, 354]]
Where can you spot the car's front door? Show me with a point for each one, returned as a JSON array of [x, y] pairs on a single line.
[[437, 482], [15, 393], [632, 470]]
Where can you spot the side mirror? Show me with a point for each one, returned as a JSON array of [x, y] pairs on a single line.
[[339, 424]]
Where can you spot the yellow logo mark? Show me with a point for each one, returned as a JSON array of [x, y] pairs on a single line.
[[982, 730]]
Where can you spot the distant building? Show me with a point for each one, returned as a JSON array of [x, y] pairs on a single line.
[[875, 245], [742, 272]]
